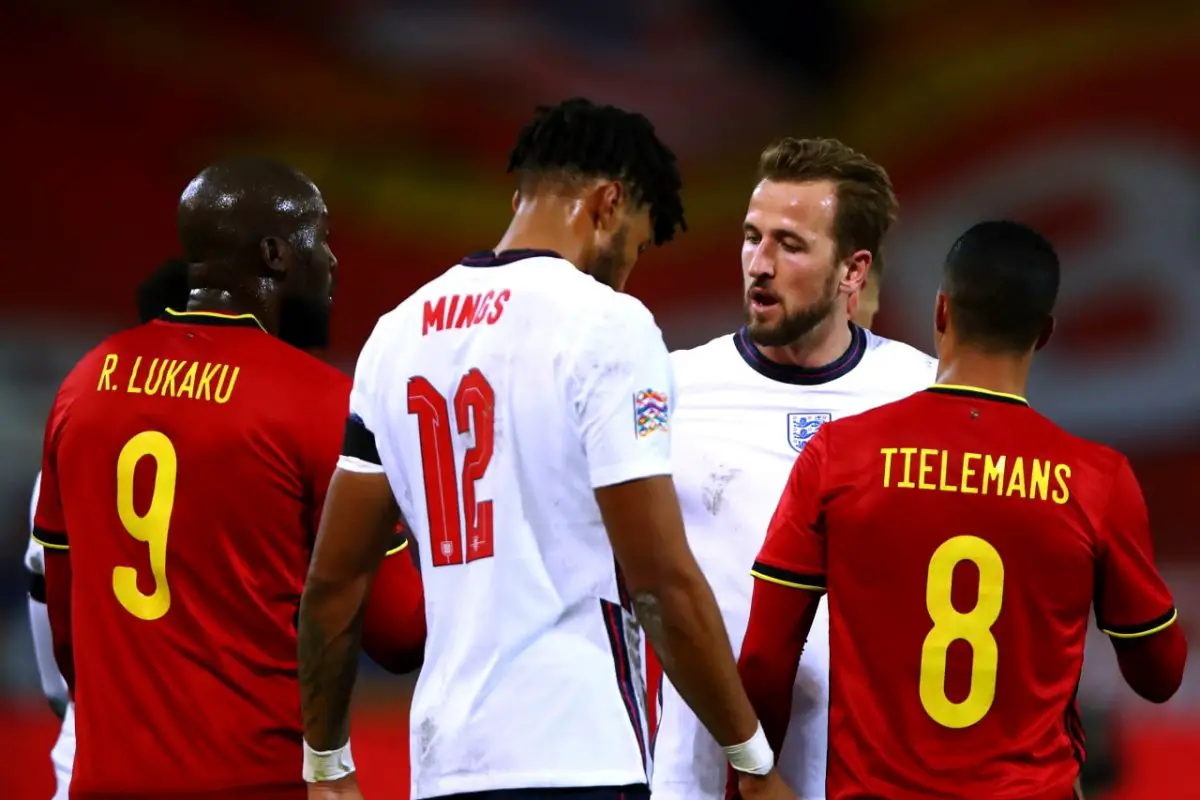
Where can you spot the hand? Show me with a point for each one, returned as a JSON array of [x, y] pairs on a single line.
[[763, 787], [342, 789]]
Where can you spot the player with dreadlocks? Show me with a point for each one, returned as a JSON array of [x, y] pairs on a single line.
[[516, 409]]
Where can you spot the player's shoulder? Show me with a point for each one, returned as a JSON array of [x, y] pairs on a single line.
[[704, 359], [83, 374], [898, 414], [1102, 459], [898, 360]]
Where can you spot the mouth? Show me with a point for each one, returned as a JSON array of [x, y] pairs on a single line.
[[762, 299]]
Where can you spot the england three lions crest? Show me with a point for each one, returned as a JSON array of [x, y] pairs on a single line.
[[803, 425]]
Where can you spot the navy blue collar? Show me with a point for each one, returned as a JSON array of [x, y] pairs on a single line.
[[490, 258], [803, 376]]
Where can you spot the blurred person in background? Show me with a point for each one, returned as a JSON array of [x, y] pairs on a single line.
[[184, 468], [165, 288], [749, 401], [864, 304], [883, 508]]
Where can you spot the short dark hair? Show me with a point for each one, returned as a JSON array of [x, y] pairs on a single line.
[[579, 139], [1001, 279], [866, 202], [166, 287]]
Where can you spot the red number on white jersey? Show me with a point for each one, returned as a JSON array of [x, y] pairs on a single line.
[[474, 402]]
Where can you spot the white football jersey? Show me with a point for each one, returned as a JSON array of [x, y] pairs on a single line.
[[738, 424], [498, 397], [62, 755]]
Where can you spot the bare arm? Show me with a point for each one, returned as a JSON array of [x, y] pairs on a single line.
[[675, 604], [359, 519]]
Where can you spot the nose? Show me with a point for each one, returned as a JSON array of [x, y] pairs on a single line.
[[761, 263]]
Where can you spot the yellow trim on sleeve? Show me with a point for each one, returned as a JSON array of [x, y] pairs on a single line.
[[50, 546], [396, 549], [789, 584], [1148, 632]]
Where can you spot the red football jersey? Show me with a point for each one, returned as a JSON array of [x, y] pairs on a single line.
[[963, 539], [185, 466]]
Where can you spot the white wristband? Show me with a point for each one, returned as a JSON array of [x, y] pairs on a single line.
[[327, 765], [753, 756]]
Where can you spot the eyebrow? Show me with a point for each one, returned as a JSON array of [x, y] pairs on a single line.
[[776, 233]]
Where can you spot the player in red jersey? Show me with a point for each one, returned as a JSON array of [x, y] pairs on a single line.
[[184, 470], [963, 539]]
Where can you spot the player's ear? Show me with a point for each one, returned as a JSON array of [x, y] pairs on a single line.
[[516, 201], [857, 266], [1044, 336], [275, 254], [941, 313], [607, 199]]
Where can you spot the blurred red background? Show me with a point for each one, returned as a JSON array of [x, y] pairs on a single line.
[[1077, 117]]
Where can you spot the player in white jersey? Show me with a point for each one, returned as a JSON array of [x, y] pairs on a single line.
[[165, 288], [62, 755], [748, 403], [517, 411]]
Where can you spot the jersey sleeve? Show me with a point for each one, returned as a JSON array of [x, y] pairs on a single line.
[[360, 453], [794, 551], [1132, 599], [49, 524], [35, 556], [399, 542], [624, 395]]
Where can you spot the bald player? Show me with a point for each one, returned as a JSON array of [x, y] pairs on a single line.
[[184, 469]]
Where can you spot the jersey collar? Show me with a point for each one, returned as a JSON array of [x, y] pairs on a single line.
[[490, 258], [220, 318], [803, 376], [975, 391]]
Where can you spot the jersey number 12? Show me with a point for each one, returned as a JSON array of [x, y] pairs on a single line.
[[474, 410]]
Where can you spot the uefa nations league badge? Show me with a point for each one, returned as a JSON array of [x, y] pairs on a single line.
[[803, 425]]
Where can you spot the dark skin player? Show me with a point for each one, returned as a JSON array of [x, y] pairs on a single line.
[[597, 188], [256, 232]]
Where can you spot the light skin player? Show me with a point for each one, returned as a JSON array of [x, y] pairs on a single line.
[[969, 674], [598, 219], [797, 308], [864, 304]]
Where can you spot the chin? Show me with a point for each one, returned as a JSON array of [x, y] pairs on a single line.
[[762, 332]]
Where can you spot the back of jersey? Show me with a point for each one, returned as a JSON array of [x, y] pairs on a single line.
[[179, 471], [499, 396], [967, 537]]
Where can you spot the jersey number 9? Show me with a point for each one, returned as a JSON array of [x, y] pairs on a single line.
[[973, 627], [152, 527], [474, 410]]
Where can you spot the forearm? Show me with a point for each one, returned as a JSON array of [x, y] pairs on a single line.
[[685, 628], [780, 619], [1153, 665], [330, 630], [394, 618], [58, 610], [53, 685]]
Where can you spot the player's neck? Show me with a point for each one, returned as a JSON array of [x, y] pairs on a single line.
[[223, 301], [1003, 374], [820, 347], [543, 223]]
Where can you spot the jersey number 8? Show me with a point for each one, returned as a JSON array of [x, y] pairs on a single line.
[[973, 627], [474, 409], [151, 527]]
